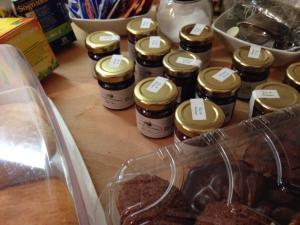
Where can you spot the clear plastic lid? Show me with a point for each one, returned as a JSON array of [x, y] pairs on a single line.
[[38, 183], [243, 174]]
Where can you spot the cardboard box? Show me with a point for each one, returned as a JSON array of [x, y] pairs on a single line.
[[26, 34]]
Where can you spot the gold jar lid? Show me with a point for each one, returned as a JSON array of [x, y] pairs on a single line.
[[185, 124], [205, 37], [106, 73], [242, 62], [173, 66], [288, 97], [160, 100], [144, 52], [136, 32], [96, 45], [212, 87], [293, 74]]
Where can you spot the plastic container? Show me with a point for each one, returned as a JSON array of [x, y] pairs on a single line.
[[40, 183], [243, 174]]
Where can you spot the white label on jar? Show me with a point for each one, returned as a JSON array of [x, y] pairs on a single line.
[[223, 74], [246, 89], [188, 61], [146, 23], [198, 109], [254, 51], [142, 72], [131, 50], [109, 38], [155, 128], [228, 110], [261, 94], [157, 84], [198, 29], [117, 99], [154, 42], [115, 61]]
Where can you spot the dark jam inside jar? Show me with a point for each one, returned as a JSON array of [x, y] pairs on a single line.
[[253, 76], [256, 112], [97, 57], [117, 86], [218, 101], [149, 63], [157, 114], [180, 136], [195, 48]]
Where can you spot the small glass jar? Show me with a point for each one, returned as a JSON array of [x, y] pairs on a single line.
[[101, 44], [200, 44], [288, 96], [155, 111], [116, 83], [292, 76], [186, 127], [253, 71], [149, 60], [222, 93], [182, 68], [138, 29]]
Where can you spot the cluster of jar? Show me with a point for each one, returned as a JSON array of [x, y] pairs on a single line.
[[176, 90]]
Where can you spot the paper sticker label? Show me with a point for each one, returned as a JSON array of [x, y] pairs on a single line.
[[223, 74], [157, 84], [146, 23], [198, 109], [188, 61], [115, 61], [154, 42], [109, 38], [198, 29], [254, 51], [142, 72]]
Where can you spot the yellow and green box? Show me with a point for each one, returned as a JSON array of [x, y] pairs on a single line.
[[26, 34]]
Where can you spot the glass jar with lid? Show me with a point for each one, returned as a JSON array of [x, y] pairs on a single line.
[[172, 15], [150, 52], [115, 75], [138, 29], [197, 38], [252, 70], [155, 100], [292, 76], [272, 96], [182, 68], [221, 89], [187, 127]]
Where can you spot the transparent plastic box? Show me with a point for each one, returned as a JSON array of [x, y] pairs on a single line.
[[42, 179], [246, 174]]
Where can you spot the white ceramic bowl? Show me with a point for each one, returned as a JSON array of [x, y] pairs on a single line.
[[115, 25], [220, 26]]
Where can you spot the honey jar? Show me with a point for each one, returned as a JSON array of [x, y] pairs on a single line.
[[292, 76]]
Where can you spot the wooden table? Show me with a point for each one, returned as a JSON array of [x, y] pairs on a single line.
[[107, 138]]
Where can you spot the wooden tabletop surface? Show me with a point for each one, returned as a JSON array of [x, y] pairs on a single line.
[[107, 138]]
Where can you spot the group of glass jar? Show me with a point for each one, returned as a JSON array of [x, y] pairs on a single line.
[[166, 78]]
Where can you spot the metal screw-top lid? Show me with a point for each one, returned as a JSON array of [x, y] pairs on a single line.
[[136, 31], [185, 124], [205, 37], [145, 52], [213, 87], [242, 62], [181, 64], [102, 42], [293, 75], [110, 74], [288, 97], [155, 101]]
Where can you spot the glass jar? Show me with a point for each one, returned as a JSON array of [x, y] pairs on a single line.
[[292, 76], [221, 92], [116, 82], [266, 102], [182, 68], [172, 15], [199, 43], [138, 29], [253, 71], [149, 59], [100, 44], [155, 110], [186, 127]]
